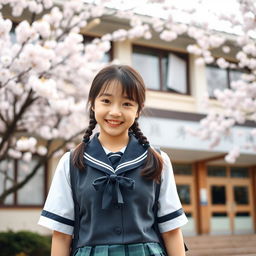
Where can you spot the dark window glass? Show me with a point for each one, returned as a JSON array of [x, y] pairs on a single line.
[[235, 74], [217, 78], [216, 171], [239, 172], [241, 194], [14, 171], [7, 179], [184, 193], [219, 214], [146, 62], [182, 169], [218, 194], [34, 188], [242, 214]]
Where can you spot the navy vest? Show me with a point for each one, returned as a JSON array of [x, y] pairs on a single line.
[[113, 208]]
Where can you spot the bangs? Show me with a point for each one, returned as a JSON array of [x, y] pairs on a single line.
[[129, 88], [132, 84]]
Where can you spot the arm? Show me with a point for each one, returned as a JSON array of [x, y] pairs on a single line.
[[60, 244], [173, 241]]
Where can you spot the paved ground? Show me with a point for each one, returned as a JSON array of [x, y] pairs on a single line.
[[232, 245]]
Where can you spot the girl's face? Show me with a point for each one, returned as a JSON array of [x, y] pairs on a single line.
[[114, 112]]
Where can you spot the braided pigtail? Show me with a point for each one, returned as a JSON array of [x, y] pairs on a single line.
[[154, 162], [80, 148]]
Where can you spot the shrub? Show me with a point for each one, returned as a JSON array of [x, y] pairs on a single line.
[[24, 243]]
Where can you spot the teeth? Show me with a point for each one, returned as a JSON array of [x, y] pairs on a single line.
[[113, 122]]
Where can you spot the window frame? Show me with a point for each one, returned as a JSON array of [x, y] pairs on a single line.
[[228, 69], [161, 53]]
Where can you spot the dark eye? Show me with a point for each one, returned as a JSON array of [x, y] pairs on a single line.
[[127, 104], [105, 101]]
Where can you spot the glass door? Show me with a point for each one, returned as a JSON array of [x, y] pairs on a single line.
[[185, 182], [242, 207], [230, 204]]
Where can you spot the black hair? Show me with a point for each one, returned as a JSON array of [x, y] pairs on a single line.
[[133, 86]]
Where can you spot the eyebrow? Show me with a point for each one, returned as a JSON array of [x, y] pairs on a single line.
[[111, 95], [105, 94]]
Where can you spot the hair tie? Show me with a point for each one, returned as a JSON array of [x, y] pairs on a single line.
[[86, 140], [146, 145]]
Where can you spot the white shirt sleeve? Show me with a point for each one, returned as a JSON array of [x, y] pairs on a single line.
[[170, 213], [58, 211]]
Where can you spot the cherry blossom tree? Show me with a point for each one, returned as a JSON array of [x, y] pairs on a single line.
[[237, 104], [45, 72], [46, 69]]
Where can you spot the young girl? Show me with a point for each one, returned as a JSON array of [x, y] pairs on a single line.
[[116, 176]]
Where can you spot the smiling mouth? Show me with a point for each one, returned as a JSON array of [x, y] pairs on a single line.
[[114, 122]]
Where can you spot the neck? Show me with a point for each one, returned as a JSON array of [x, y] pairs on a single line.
[[113, 143]]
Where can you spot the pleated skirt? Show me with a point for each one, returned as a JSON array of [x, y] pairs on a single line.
[[141, 249]]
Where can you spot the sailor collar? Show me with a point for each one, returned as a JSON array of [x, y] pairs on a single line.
[[133, 157]]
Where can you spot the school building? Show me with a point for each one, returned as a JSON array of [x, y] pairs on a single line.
[[218, 198]]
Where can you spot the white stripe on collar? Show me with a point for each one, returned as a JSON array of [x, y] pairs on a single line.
[[134, 161], [98, 162], [115, 154]]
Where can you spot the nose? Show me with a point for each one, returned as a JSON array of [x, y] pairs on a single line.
[[115, 111]]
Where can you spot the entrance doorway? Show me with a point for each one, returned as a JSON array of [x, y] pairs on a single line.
[[185, 182], [230, 200]]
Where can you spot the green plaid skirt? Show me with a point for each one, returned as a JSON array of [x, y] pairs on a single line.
[[141, 249]]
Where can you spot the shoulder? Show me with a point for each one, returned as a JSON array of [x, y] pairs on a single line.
[[165, 156], [167, 171], [63, 167], [64, 161]]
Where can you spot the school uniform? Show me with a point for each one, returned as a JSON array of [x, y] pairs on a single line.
[[115, 204]]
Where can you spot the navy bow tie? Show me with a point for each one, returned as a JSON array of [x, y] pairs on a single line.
[[110, 185], [114, 158]]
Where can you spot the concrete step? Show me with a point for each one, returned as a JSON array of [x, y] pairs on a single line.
[[230, 245]]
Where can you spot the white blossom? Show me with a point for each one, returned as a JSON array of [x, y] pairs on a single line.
[[226, 49], [168, 35], [41, 150], [26, 144], [222, 63], [27, 156], [14, 153]]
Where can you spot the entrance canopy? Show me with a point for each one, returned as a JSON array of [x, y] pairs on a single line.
[[170, 135]]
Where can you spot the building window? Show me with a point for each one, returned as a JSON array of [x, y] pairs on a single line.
[[184, 193], [32, 193], [162, 70], [216, 171], [182, 169], [218, 194], [241, 195], [218, 78]]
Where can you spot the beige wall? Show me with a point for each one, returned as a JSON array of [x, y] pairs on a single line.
[[21, 219]]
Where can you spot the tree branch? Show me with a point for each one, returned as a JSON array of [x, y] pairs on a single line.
[[11, 128], [41, 162]]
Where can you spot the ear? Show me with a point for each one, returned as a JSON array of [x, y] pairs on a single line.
[[139, 112]]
